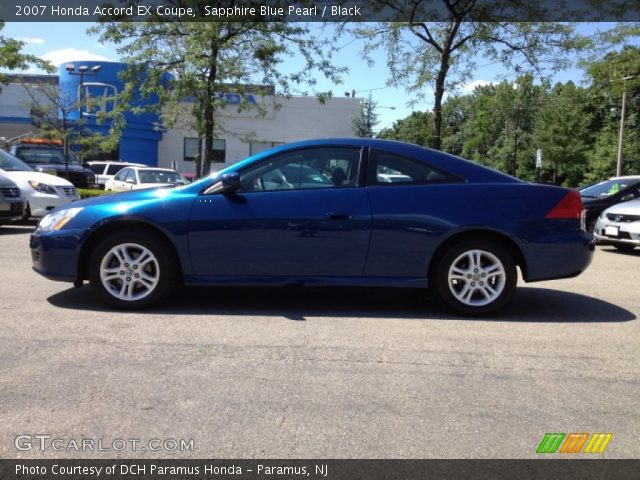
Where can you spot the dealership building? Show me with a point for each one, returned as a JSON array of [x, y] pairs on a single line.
[[251, 121]]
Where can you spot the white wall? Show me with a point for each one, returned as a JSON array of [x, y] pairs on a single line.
[[285, 120]]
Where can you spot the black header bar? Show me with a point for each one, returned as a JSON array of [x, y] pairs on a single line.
[[318, 10]]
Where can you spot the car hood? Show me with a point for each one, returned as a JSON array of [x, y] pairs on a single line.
[[23, 178], [123, 198], [626, 208], [57, 167], [5, 181], [154, 185]]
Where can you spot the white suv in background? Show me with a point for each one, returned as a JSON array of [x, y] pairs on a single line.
[[42, 192], [106, 170]]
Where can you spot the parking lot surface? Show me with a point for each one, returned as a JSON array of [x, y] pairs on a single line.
[[306, 373]]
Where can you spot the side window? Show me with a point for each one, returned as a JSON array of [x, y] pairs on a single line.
[[387, 168], [131, 175], [114, 168], [120, 175], [98, 169], [330, 167]]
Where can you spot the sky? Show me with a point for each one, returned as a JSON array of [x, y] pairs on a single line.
[[64, 42]]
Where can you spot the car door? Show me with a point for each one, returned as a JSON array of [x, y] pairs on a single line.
[[409, 213], [131, 180], [118, 184], [281, 226]]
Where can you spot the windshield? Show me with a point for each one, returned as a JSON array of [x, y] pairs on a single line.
[[10, 163], [608, 188], [36, 155], [160, 176]]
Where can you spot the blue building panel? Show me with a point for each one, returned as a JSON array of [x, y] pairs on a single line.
[[96, 90]]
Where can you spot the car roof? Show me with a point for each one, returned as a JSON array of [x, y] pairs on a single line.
[[467, 169], [154, 168], [626, 177], [114, 162]]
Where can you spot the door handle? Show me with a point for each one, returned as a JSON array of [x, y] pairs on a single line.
[[339, 216]]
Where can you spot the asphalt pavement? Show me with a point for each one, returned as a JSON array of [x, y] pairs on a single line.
[[315, 373]]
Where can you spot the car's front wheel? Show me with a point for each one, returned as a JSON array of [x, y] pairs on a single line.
[[475, 277], [132, 270]]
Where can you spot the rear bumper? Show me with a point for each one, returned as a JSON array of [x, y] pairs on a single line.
[[565, 257]]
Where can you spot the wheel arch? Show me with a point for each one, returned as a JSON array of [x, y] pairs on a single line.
[[115, 226], [479, 234]]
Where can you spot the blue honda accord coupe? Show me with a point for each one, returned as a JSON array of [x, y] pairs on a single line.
[[323, 212]]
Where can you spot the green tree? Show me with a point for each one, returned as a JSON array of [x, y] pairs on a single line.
[[613, 77], [498, 124], [207, 59], [51, 111], [440, 54], [562, 131], [416, 128], [366, 120]]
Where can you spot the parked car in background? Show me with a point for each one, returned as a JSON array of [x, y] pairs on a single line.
[[106, 170], [619, 226], [600, 196], [138, 178], [42, 192], [191, 177], [452, 225], [11, 200], [48, 156]]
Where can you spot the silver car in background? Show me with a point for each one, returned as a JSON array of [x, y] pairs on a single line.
[[11, 200], [620, 226]]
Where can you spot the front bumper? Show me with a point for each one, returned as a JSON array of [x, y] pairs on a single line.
[[609, 232], [42, 203], [54, 255], [11, 210]]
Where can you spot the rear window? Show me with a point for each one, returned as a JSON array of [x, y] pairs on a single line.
[[387, 168], [608, 188]]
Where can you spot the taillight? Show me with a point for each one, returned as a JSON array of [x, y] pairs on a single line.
[[569, 207]]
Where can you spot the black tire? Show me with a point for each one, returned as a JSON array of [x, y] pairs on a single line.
[[623, 247], [502, 285], [162, 269], [26, 215]]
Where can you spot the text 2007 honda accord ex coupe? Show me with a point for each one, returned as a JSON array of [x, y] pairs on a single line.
[[323, 212]]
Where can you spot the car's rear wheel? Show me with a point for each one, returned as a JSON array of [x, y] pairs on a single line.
[[475, 277], [132, 270], [623, 247]]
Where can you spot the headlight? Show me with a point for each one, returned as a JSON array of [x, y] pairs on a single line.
[[57, 220], [42, 187]]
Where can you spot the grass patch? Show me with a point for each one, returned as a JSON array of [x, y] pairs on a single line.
[[91, 192]]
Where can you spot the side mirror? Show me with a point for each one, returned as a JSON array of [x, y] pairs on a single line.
[[229, 183], [130, 180]]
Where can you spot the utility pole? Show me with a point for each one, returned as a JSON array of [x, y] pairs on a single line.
[[621, 135]]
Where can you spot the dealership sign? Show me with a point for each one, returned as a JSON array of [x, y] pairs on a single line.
[[236, 98], [97, 96]]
